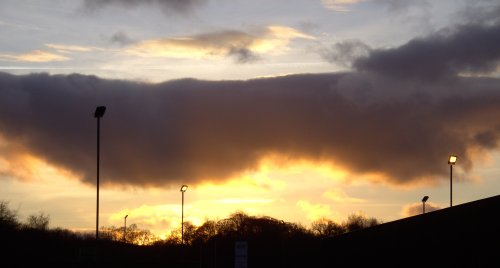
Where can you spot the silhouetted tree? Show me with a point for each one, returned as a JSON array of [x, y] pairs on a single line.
[[325, 228], [8, 217], [234, 225], [357, 221], [189, 233], [205, 231], [174, 238], [38, 221], [140, 236], [134, 235]]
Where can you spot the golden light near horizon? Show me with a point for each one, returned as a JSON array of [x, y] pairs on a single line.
[[275, 189], [301, 192], [296, 191], [264, 191]]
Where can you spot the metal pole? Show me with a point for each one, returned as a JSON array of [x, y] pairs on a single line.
[[97, 207], [125, 230], [451, 185], [423, 207], [182, 228]]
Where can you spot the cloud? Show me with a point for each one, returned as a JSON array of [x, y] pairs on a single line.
[[34, 56], [165, 5], [69, 48], [417, 209], [339, 5], [121, 38], [479, 12], [401, 6], [392, 5], [345, 53], [386, 120], [190, 131], [339, 196], [242, 46], [469, 48], [315, 211]]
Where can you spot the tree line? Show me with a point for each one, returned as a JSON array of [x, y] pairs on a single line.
[[272, 242], [238, 224]]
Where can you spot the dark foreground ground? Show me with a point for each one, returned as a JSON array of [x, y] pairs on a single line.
[[466, 235]]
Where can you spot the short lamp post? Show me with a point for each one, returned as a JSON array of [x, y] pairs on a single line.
[[451, 161], [423, 203], [125, 229], [183, 189]]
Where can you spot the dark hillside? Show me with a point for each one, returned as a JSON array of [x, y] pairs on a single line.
[[466, 235]]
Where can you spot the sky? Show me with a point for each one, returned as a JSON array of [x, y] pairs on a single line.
[[299, 109]]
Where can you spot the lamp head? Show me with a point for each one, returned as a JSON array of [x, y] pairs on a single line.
[[99, 111], [425, 199], [126, 216], [184, 188], [452, 160]]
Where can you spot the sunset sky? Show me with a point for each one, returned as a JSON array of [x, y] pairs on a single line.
[[296, 109]]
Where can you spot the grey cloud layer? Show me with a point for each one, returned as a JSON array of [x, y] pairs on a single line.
[[466, 49], [189, 130], [400, 114], [345, 53], [470, 48]]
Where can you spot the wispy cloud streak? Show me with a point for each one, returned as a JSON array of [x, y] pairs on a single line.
[[243, 47], [34, 56], [166, 5]]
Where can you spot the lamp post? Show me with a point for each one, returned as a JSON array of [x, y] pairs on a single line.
[[183, 189], [451, 161], [125, 229], [99, 112], [423, 203]]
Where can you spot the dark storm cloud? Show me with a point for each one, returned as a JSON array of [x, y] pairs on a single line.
[[403, 5], [190, 130], [243, 55], [121, 38], [345, 53], [470, 48], [480, 11], [166, 5]]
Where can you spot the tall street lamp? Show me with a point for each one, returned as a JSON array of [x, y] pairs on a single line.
[[99, 112], [125, 229], [423, 203], [451, 161], [183, 189]]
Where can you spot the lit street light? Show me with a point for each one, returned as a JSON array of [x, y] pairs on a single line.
[[99, 112], [423, 203], [125, 229], [183, 189], [451, 161]]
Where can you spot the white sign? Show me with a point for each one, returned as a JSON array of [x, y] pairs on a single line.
[[241, 254]]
